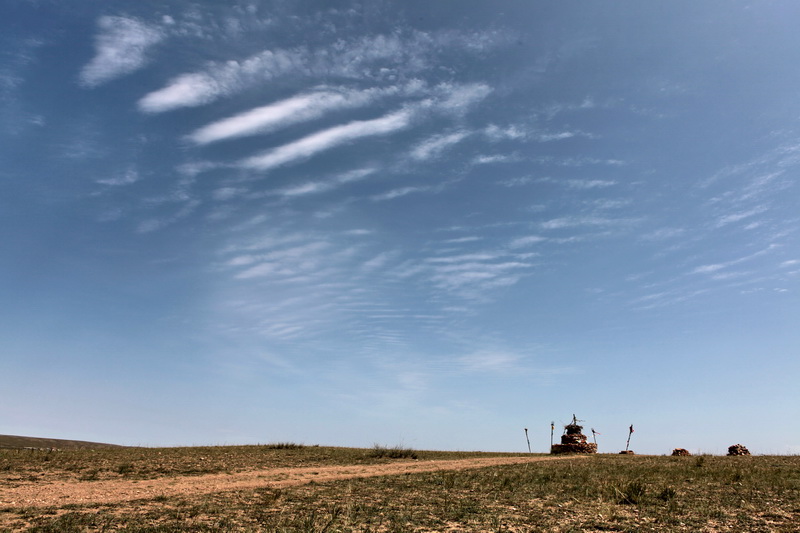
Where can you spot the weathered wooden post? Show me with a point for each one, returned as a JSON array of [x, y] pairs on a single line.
[[630, 432]]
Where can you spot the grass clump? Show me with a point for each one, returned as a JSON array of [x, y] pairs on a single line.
[[394, 452], [667, 494], [284, 446], [631, 493]]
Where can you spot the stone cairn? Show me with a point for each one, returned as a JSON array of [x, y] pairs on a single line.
[[573, 440], [681, 452], [738, 449]]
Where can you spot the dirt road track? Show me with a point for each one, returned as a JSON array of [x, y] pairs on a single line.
[[58, 494]]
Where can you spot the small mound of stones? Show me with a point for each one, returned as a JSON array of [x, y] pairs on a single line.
[[573, 441], [681, 452], [627, 452], [738, 449]]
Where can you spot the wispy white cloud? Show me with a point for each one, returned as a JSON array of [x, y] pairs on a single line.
[[193, 168], [517, 182], [290, 285], [125, 178], [378, 58], [490, 361], [707, 269], [459, 98], [496, 133], [327, 139], [156, 223], [228, 193], [378, 261], [460, 240], [496, 158], [762, 184], [767, 168], [580, 184], [664, 234], [473, 275], [610, 203], [503, 361], [188, 90], [548, 136], [286, 112], [712, 268], [471, 257], [440, 100], [520, 242], [399, 192], [435, 145], [554, 109], [583, 161], [316, 187], [666, 298], [283, 262], [575, 221], [121, 47], [590, 184], [736, 217]]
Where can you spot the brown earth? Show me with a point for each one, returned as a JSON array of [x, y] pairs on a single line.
[[61, 493], [16, 441]]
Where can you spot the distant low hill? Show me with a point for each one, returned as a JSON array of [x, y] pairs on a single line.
[[13, 441]]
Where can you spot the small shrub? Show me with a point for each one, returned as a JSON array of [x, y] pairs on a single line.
[[124, 469], [90, 475], [633, 493], [396, 452], [284, 446], [667, 495]]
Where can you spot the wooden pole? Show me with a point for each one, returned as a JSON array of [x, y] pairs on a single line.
[[552, 429], [527, 439], [630, 432]]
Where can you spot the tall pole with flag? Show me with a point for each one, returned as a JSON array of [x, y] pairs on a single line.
[[527, 439], [630, 432], [552, 429], [594, 435]]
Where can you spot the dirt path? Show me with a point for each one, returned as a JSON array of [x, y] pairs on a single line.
[[57, 494]]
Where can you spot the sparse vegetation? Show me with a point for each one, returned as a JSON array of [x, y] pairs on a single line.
[[284, 446], [395, 452], [597, 493], [15, 442]]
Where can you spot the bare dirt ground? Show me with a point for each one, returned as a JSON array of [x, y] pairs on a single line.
[[58, 494]]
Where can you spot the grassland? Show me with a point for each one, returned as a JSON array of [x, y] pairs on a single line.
[[13, 441], [597, 493]]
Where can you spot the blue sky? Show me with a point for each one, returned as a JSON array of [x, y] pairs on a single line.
[[422, 223]]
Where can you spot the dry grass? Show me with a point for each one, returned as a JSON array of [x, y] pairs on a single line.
[[14, 441], [600, 493], [149, 463]]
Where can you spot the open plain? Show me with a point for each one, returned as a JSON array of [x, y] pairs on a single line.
[[290, 487]]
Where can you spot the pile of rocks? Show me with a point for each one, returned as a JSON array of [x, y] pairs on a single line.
[[738, 449], [682, 452], [573, 440], [627, 452]]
